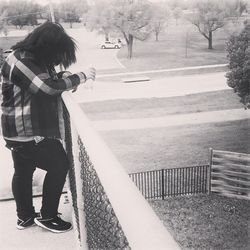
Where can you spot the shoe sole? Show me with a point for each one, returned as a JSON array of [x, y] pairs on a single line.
[[38, 223], [22, 228]]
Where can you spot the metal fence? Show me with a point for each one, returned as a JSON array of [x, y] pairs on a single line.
[[159, 184]]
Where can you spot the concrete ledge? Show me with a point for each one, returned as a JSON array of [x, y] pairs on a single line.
[[136, 79]]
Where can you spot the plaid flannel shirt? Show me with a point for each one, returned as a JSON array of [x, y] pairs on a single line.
[[31, 103]]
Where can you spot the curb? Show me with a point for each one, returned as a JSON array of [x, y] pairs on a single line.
[[215, 66]]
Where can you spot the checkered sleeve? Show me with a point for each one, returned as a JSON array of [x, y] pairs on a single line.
[[36, 80]]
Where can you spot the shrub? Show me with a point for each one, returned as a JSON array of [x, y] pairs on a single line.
[[238, 77]]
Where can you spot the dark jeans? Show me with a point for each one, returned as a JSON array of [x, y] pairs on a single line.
[[48, 155]]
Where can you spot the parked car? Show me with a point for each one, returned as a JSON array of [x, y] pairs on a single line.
[[6, 53], [110, 45]]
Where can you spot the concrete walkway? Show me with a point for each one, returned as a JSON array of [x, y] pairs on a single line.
[[33, 238], [172, 120], [165, 87], [183, 69]]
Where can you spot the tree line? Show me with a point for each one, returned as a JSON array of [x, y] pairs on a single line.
[[21, 13], [129, 19]]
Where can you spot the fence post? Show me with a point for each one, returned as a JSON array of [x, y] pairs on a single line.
[[209, 171], [162, 184]]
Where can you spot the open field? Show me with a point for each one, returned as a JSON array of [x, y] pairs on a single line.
[[178, 46]]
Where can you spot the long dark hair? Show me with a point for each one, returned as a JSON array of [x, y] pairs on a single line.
[[50, 45]]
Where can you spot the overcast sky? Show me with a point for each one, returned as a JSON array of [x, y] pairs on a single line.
[[44, 2]]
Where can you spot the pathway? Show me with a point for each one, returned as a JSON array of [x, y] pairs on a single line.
[[165, 87], [172, 120]]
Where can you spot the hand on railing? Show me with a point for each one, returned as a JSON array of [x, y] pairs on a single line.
[[90, 73], [90, 78]]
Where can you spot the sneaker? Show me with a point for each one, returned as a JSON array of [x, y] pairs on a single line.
[[23, 224], [55, 225]]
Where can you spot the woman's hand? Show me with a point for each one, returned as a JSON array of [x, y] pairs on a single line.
[[90, 74]]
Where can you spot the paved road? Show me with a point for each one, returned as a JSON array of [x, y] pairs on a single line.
[[89, 52]]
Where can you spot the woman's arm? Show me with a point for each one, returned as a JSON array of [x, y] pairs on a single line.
[[26, 74]]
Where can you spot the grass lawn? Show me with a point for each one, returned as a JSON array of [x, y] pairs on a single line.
[[155, 107], [205, 222], [180, 146], [179, 46]]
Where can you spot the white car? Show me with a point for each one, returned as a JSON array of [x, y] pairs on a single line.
[[110, 45], [6, 53]]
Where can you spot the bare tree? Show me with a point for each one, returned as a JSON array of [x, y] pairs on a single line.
[[98, 18], [22, 13], [211, 15], [208, 16], [177, 14], [133, 20], [71, 12], [3, 15], [159, 20], [237, 7]]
